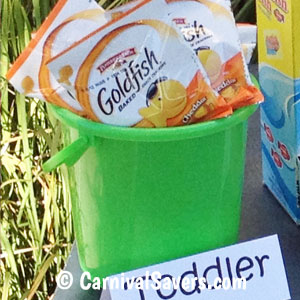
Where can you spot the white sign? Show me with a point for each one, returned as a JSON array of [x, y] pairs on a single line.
[[247, 271]]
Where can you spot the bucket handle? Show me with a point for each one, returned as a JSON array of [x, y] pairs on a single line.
[[69, 155]]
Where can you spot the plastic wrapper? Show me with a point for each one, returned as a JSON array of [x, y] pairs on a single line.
[[247, 35], [30, 75], [209, 28], [138, 71]]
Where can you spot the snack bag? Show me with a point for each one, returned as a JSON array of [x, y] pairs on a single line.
[[30, 75], [116, 12], [137, 71], [209, 28], [247, 35]]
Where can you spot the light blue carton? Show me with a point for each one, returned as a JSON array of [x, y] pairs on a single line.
[[279, 74], [280, 132]]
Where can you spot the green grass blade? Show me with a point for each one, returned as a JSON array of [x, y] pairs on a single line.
[[5, 291], [20, 102], [29, 295], [37, 13], [7, 248]]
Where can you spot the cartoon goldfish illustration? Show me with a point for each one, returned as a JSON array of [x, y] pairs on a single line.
[[276, 158], [284, 151], [165, 99], [268, 133]]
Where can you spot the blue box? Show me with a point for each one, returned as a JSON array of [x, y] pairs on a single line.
[[279, 76]]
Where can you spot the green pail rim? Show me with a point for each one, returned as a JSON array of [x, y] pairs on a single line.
[[91, 128], [88, 130]]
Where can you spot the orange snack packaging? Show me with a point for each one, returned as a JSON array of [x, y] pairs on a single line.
[[30, 75], [209, 28], [137, 71]]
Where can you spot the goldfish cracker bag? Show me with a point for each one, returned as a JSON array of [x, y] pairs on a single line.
[[209, 28], [137, 71], [30, 75]]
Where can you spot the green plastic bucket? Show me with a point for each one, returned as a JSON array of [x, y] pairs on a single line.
[[143, 196]]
